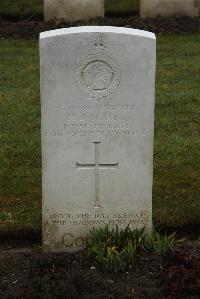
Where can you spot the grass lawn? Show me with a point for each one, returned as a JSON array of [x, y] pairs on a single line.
[[177, 148], [121, 6], [21, 8], [25, 8]]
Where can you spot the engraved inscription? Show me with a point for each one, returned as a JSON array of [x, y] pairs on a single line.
[[69, 220], [97, 166], [95, 120], [135, 220]]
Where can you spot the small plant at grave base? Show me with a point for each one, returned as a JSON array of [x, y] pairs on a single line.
[[162, 244], [115, 250]]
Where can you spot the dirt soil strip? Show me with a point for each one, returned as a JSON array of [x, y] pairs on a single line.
[[28, 273], [31, 29]]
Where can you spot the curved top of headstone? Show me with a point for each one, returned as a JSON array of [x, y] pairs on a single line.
[[90, 29]]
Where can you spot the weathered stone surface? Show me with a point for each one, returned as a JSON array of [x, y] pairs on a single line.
[[166, 8], [97, 88], [73, 10]]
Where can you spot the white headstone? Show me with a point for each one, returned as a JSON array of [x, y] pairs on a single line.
[[73, 10], [166, 8], [97, 88]]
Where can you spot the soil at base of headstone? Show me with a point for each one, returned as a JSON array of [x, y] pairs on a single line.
[[29, 274], [31, 29]]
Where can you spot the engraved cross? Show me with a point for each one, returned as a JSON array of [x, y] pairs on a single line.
[[97, 166]]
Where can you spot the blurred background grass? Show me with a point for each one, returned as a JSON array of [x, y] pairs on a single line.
[[20, 9]]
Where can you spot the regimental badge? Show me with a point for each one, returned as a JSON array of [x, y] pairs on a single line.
[[98, 75]]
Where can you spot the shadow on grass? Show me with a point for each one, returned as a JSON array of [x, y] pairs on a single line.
[[29, 237], [20, 238]]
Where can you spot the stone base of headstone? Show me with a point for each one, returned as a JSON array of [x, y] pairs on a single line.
[[166, 8], [72, 10]]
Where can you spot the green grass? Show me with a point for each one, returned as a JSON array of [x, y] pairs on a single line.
[[20, 171], [21, 8], [177, 148], [26, 8], [176, 191], [121, 6]]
